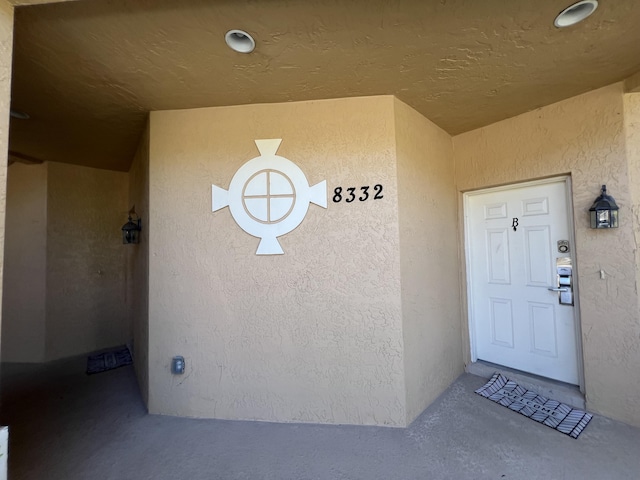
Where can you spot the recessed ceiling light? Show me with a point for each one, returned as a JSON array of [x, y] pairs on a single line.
[[20, 115], [575, 13], [240, 41]]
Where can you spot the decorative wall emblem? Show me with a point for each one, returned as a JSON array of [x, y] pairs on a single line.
[[269, 196]]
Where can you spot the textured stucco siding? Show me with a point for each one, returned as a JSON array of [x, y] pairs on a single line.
[[25, 260], [583, 136], [314, 335], [427, 204], [6, 49], [85, 302], [138, 265], [66, 272], [632, 137]]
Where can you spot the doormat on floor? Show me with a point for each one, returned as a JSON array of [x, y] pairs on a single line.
[[553, 414], [104, 361]]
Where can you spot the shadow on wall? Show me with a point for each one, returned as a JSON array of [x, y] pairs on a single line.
[[65, 264]]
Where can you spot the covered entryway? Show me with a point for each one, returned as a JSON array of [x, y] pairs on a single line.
[[521, 283]]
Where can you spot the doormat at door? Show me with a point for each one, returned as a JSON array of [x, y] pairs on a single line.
[[104, 361], [553, 414]]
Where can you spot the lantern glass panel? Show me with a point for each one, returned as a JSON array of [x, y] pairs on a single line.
[[603, 219], [614, 218]]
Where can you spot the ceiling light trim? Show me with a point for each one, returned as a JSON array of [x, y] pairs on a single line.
[[20, 115], [575, 13], [240, 41]]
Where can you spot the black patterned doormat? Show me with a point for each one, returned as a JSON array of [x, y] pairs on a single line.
[[104, 361], [553, 414]]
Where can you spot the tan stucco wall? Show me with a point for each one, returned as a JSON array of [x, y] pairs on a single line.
[[632, 137], [86, 207], [138, 265], [428, 258], [6, 49], [25, 257], [583, 136], [65, 290], [314, 335]]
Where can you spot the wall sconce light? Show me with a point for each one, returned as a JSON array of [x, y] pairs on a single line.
[[604, 211], [131, 229]]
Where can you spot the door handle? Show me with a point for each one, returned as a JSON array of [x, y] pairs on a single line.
[[559, 289]]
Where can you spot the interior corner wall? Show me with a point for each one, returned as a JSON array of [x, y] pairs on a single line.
[[85, 299], [314, 335], [583, 136], [632, 139], [632, 136], [138, 265], [427, 208], [6, 57], [24, 293]]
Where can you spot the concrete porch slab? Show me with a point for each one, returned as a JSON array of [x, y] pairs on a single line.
[[66, 425]]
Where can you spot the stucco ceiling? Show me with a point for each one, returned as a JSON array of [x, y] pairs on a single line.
[[88, 71]]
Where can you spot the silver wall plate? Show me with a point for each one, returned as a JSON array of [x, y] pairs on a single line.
[[563, 246]]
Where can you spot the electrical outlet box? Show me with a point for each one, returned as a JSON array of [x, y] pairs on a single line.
[[177, 365]]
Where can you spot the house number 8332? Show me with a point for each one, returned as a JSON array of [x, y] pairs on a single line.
[[364, 194]]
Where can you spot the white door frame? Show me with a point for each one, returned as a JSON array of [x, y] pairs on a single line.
[[566, 179]]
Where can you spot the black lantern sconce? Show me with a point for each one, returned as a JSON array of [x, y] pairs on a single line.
[[131, 229], [604, 211]]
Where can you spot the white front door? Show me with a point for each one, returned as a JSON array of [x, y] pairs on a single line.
[[512, 242], [4, 450]]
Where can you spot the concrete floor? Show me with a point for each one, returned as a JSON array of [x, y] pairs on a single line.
[[66, 425]]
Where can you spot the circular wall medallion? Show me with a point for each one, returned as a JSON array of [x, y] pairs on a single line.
[[269, 196]]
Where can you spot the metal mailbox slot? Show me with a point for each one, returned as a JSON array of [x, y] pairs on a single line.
[[564, 278]]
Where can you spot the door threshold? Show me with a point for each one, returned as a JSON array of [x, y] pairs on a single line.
[[560, 391]]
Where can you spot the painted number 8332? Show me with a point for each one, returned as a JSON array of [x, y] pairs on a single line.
[[363, 194]]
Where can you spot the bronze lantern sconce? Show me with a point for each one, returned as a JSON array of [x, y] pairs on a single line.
[[131, 229], [604, 211]]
